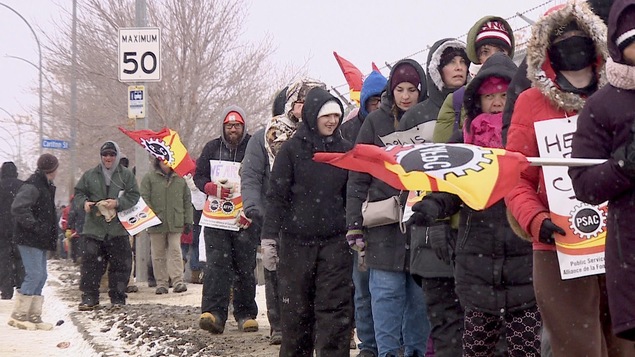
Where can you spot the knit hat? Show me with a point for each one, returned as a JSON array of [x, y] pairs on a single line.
[[233, 117], [330, 107], [108, 147], [47, 163], [625, 32], [449, 53], [493, 85], [405, 73], [494, 33]]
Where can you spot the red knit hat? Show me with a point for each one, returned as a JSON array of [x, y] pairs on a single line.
[[234, 117], [493, 85], [494, 33], [405, 72]]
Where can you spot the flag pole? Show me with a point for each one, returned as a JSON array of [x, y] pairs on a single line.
[[561, 161]]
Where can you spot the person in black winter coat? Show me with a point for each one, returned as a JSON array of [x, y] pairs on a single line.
[[493, 266], [11, 269], [398, 304], [35, 233], [231, 255], [307, 210]]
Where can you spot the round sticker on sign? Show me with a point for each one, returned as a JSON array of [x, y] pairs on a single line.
[[587, 221]]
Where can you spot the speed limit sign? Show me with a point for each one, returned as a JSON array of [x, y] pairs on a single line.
[[139, 54]]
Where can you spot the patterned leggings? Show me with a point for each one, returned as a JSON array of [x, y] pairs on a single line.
[[521, 328]]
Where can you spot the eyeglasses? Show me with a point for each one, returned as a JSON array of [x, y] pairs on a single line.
[[232, 125], [373, 100], [111, 154]]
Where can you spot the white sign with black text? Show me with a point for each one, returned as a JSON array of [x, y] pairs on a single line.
[[139, 51]]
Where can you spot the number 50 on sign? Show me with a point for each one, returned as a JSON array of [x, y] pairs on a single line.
[[139, 51]]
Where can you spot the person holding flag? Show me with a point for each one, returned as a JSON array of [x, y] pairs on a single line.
[[102, 191], [231, 255], [565, 60]]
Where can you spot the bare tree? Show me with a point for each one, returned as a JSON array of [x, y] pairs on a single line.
[[205, 67]]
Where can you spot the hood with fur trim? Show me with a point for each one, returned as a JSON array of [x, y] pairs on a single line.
[[539, 70], [435, 81]]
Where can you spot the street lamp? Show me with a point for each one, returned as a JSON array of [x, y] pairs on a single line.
[[39, 48]]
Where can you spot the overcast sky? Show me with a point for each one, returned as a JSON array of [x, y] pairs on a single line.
[[302, 32]]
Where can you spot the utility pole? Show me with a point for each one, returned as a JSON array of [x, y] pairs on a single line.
[[142, 242], [73, 110]]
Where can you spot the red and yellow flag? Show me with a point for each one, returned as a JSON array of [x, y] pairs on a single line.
[[480, 176], [353, 75], [164, 145]]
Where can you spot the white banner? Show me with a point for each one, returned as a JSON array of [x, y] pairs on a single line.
[[219, 213], [138, 218], [581, 250]]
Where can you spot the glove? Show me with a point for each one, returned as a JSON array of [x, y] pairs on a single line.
[[187, 228], [437, 236], [269, 251], [361, 261], [242, 221], [221, 189], [547, 229], [424, 213], [625, 157], [355, 239], [255, 216], [190, 182], [68, 233]]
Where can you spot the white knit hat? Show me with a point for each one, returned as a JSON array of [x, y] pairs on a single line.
[[330, 107]]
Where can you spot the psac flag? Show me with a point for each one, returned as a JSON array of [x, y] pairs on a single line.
[[164, 145], [479, 176]]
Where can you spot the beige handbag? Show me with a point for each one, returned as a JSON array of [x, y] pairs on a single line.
[[381, 213]]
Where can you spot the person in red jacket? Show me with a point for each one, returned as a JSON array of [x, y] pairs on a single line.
[[565, 58]]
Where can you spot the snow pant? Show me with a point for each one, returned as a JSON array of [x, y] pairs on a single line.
[[620, 284], [446, 316], [272, 294], [167, 260], [315, 286], [231, 261], [11, 269], [575, 312], [521, 328], [114, 252]]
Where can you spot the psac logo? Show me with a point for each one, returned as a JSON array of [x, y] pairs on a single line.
[[136, 218], [587, 221], [226, 207], [159, 149], [441, 160]]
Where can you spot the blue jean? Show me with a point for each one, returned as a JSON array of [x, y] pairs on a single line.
[[399, 313], [363, 311], [34, 260]]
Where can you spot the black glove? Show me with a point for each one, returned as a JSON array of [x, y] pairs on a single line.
[[625, 154], [424, 213], [187, 228], [547, 229], [438, 238]]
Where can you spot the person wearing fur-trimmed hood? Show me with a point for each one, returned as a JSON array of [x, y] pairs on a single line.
[[565, 60], [606, 130]]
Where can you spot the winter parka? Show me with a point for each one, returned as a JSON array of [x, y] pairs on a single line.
[[604, 125], [170, 199], [9, 186], [306, 198], [527, 202], [34, 213], [386, 247]]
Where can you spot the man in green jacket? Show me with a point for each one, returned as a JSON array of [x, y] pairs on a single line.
[[167, 194], [102, 191]]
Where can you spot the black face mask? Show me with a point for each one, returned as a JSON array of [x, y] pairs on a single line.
[[572, 54]]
